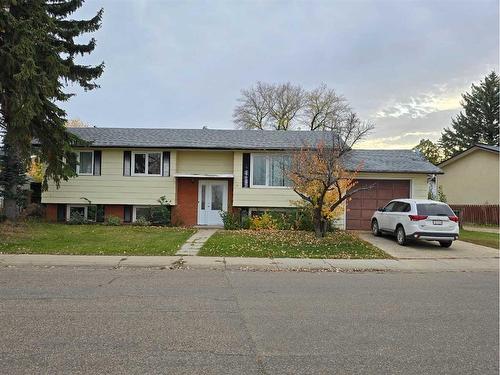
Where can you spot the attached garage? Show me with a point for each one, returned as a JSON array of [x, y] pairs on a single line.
[[360, 209]]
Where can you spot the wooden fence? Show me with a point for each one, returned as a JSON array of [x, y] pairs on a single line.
[[477, 214]]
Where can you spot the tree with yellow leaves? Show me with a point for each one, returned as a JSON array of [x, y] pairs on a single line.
[[36, 170], [319, 176]]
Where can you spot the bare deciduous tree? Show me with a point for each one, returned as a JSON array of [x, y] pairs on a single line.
[[253, 110], [322, 105], [268, 106], [286, 101], [287, 107]]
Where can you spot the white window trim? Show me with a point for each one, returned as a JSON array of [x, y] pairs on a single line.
[[134, 211], [68, 210], [145, 174], [266, 186], [78, 164]]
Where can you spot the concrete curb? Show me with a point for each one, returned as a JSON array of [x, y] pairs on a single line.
[[264, 264]]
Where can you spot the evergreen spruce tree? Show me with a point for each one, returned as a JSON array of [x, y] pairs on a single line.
[[478, 122], [37, 60]]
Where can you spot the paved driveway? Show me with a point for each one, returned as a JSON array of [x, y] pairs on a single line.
[[424, 249]]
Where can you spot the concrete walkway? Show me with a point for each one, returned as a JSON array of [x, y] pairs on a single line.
[[194, 243], [264, 264]]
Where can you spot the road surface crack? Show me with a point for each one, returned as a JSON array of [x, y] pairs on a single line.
[[253, 345]]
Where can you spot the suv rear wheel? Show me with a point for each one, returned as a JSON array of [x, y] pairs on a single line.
[[375, 228], [445, 243], [401, 236]]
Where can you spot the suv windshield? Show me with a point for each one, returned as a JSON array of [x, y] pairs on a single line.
[[434, 209]]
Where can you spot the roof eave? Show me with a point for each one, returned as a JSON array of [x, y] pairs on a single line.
[[465, 153]]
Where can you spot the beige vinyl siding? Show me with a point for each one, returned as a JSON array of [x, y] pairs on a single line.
[[114, 188], [111, 187], [261, 196], [204, 162], [282, 197], [472, 179]]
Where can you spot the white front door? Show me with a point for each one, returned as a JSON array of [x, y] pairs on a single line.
[[212, 200]]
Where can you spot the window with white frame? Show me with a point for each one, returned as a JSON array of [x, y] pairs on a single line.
[[144, 212], [76, 211], [88, 212], [270, 170], [85, 165], [146, 163]]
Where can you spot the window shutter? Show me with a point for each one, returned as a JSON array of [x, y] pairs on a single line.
[[246, 171], [127, 162], [72, 164], [61, 212], [127, 214], [97, 162], [166, 163]]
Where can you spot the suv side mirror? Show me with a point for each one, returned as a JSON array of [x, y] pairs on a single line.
[[380, 209]]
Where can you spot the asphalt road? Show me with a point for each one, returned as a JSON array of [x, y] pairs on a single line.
[[67, 321]]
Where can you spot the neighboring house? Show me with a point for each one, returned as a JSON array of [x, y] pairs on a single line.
[[204, 171], [472, 177]]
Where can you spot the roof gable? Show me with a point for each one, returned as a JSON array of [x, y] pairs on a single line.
[[476, 147]]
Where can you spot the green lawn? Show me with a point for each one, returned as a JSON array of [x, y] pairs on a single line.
[[289, 244], [44, 238], [480, 238]]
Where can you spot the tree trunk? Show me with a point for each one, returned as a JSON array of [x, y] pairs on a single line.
[[319, 227], [9, 203], [13, 179], [10, 209]]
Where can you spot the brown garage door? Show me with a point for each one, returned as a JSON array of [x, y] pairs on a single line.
[[360, 209]]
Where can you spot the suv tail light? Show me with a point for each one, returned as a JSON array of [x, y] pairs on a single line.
[[417, 217], [453, 218]]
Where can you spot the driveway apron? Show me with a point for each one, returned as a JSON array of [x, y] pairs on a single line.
[[429, 249]]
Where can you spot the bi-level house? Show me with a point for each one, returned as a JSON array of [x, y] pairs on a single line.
[[205, 171]]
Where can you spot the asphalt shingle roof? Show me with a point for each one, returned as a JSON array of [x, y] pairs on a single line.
[[198, 138], [389, 161], [488, 147]]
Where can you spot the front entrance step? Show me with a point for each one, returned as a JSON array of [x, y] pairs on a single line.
[[196, 241]]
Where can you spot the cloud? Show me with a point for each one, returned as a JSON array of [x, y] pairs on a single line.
[[441, 99], [403, 141]]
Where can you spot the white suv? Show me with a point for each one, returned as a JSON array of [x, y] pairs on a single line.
[[416, 219]]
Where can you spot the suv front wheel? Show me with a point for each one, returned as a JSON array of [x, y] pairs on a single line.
[[401, 235], [375, 228]]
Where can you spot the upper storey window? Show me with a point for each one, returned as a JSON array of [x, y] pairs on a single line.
[[270, 170], [147, 163], [85, 163]]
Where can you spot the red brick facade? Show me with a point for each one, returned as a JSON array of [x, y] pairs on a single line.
[[184, 213], [51, 212], [186, 210], [113, 210]]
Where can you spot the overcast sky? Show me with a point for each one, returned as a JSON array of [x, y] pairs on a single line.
[[181, 64]]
